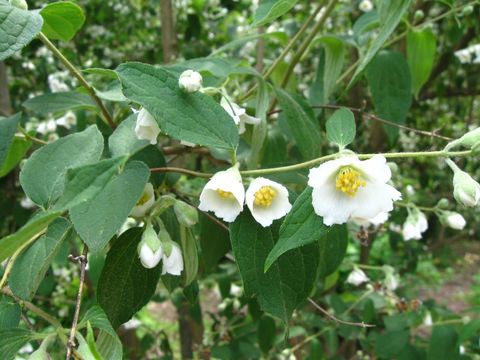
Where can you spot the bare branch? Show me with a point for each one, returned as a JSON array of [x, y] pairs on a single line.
[[331, 317]]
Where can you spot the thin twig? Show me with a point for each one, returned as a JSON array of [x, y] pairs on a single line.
[[180, 171], [82, 260], [331, 317], [30, 137], [74, 71]]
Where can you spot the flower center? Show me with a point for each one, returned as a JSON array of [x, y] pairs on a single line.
[[265, 196], [143, 199], [349, 181], [224, 194]]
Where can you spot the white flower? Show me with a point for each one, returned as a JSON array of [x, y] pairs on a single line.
[[415, 224], [173, 263], [357, 277], [148, 257], [267, 201], [376, 221], [366, 6], [224, 194], [348, 188], [427, 320], [27, 203], [453, 220], [238, 114], [68, 120], [46, 127], [190, 81], [146, 127], [145, 202], [391, 279]]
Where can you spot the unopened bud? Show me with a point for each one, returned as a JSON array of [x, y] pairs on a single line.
[[467, 10], [452, 219], [190, 81], [469, 140], [21, 4], [186, 214], [443, 203], [150, 248], [419, 15]]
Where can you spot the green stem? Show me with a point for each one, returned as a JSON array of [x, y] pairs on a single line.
[[75, 72], [410, 205], [31, 138]]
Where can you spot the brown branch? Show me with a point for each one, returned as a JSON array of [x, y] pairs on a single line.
[[169, 35], [82, 260], [331, 317], [5, 104]]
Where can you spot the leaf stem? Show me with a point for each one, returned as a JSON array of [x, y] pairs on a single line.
[[74, 71], [31, 138]]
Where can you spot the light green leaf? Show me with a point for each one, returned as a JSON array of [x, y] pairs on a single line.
[[8, 127], [190, 255], [301, 227], [394, 11], [31, 266], [43, 176], [31, 230], [237, 43], [421, 48], [195, 118], [85, 182], [269, 10], [388, 77], [303, 129], [287, 283], [334, 60], [59, 102], [125, 286], [259, 132], [341, 127], [9, 314], [98, 219], [18, 149], [17, 28], [124, 141], [62, 20], [12, 340]]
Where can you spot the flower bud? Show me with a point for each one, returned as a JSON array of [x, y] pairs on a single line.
[[465, 190], [470, 139], [357, 277], [186, 214], [21, 4], [172, 262], [150, 248], [365, 6], [467, 10], [419, 15], [146, 128], [443, 203], [452, 219], [190, 81]]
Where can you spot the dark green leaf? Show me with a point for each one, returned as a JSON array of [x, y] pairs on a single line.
[[394, 11], [98, 219], [9, 314], [341, 127], [12, 340], [333, 248], [31, 266], [62, 20], [269, 10], [287, 283], [125, 286], [443, 344], [388, 77], [195, 118], [214, 242], [391, 343], [43, 176], [305, 132], [301, 227], [59, 102], [266, 333], [17, 28], [421, 48], [8, 127]]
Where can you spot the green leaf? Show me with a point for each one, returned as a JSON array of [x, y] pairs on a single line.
[[32, 229], [301, 227], [98, 219], [391, 343], [333, 247], [394, 11], [85, 182], [31, 266], [43, 176], [195, 118], [18, 149], [443, 344], [62, 20], [303, 129], [341, 127], [17, 28], [389, 80], [9, 314], [108, 342], [59, 102], [12, 340], [214, 242], [8, 127], [190, 255], [287, 283], [124, 141], [125, 286], [266, 333], [421, 48], [334, 60], [259, 132], [269, 10]]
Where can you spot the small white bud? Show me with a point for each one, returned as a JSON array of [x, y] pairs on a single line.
[[465, 189], [452, 219], [190, 81], [146, 127], [366, 6], [149, 249], [21, 4], [357, 277]]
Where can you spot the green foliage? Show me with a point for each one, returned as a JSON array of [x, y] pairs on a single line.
[[62, 20], [9, 314], [341, 127], [123, 141], [17, 28], [334, 60], [421, 49], [443, 344], [59, 102], [12, 339], [269, 10]]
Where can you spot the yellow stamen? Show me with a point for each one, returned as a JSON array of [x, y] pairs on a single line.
[[143, 199], [225, 194], [265, 196], [349, 181]]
